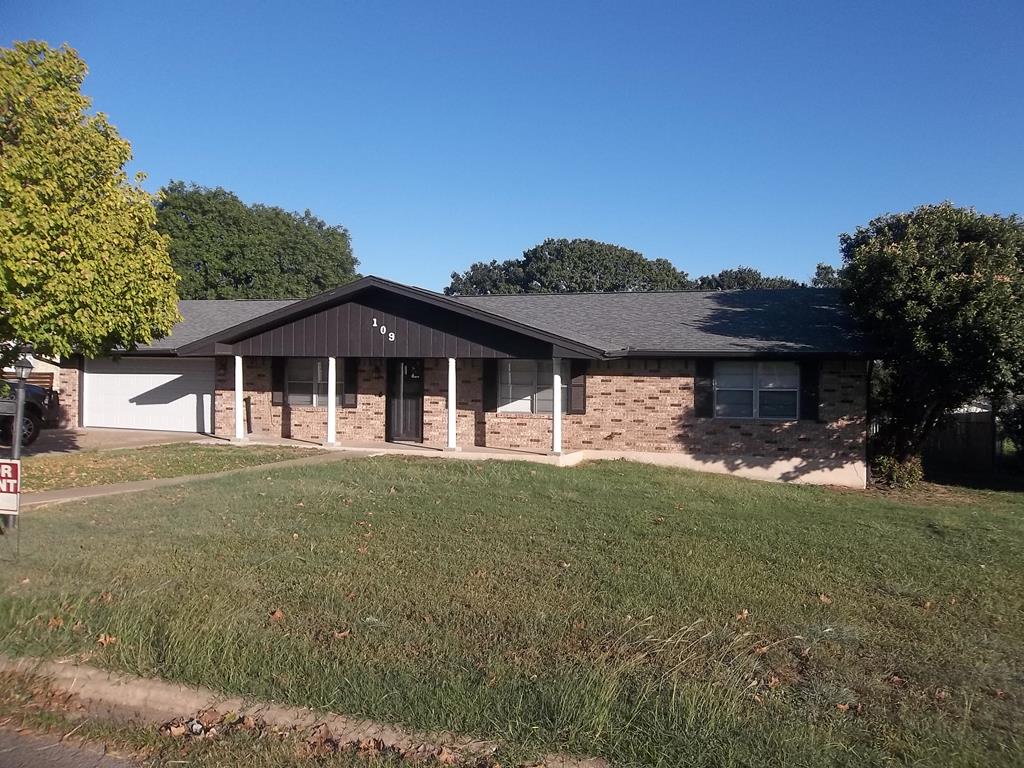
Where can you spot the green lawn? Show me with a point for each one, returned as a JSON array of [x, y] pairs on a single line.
[[652, 616], [74, 470]]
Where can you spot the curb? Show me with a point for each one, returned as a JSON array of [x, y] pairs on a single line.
[[145, 701]]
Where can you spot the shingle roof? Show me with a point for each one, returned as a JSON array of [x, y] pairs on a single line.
[[780, 321], [788, 321], [203, 317]]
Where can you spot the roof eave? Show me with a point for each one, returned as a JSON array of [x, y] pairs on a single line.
[[741, 353]]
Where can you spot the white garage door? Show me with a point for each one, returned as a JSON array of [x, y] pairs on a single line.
[[173, 394]]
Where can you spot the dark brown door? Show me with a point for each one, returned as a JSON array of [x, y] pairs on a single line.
[[405, 400]]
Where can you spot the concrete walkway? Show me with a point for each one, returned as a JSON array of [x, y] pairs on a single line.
[[63, 495]]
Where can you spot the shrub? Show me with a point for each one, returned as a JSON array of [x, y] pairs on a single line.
[[1011, 416], [890, 471]]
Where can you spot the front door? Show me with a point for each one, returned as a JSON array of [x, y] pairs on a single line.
[[405, 401]]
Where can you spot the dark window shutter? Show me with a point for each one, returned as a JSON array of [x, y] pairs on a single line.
[[350, 383], [277, 368], [810, 381], [704, 389], [578, 386], [490, 385]]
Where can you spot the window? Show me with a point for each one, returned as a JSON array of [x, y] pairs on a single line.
[[749, 390], [306, 382], [524, 386]]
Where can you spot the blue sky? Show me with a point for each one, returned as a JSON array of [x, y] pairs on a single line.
[[443, 133]]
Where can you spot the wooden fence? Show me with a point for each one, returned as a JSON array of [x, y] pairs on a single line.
[[965, 444]]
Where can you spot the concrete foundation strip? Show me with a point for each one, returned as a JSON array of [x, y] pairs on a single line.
[[144, 701]]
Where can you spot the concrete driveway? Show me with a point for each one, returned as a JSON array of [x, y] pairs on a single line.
[[96, 439]]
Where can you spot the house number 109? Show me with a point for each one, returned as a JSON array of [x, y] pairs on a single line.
[[384, 330]]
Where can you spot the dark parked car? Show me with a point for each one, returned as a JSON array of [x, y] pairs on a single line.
[[40, 405]]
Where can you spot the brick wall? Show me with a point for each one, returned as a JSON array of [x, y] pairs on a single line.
[[468, 401], [67, 383], [364, 423], [262, 417], [632, 405]]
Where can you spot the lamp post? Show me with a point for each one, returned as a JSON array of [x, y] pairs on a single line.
[[22, 369]]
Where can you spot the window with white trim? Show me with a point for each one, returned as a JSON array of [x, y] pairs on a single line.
[[757, 390], [524, 386], [306, 382]]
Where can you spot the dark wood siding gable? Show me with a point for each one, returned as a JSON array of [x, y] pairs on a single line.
[[384, 325]]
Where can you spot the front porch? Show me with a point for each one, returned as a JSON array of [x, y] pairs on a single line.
[[429, 404], [411, 450]]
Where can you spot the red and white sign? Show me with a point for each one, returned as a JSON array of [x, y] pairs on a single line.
[[10, 486]]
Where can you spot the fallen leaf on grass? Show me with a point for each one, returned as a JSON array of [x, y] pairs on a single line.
[[104, 639], [209, 718], [941, 694], [343, 635], [370, 745], [843, 707], [320, 743], [446, 757], [55, 623], [276, 615], [824, 599], [896, 680], [743, 615]]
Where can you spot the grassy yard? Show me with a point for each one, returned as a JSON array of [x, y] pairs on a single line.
[[654, 617], [74, 470]]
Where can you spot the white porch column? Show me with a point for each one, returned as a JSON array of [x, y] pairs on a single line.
[[452, 412], [556, 405], [239, 401], [332, 400]]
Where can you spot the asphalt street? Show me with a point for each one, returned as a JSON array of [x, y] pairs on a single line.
[[29, 750]]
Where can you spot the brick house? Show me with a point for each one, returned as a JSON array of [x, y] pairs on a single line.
[[765, 384]]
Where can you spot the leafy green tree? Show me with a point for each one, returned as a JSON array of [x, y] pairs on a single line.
[[570, 266], [940, 291], [487, 277], [82, 266], [225, 249], [827, 276], [743, 278], [1011, 416]]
